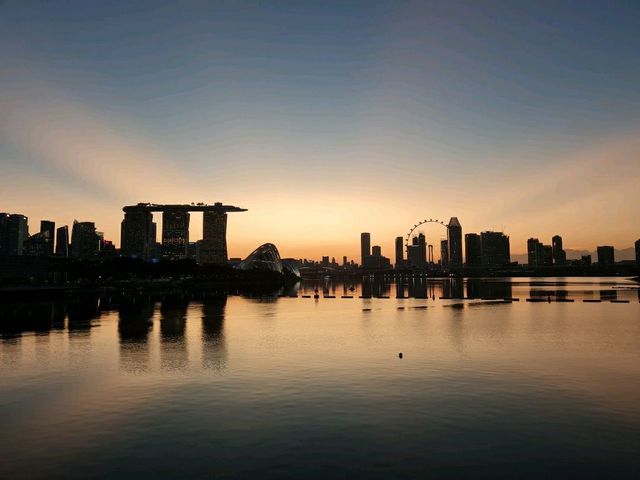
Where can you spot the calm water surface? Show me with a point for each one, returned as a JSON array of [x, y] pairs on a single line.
[[297, 388]]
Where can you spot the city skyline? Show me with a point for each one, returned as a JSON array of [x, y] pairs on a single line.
[[337, 132]]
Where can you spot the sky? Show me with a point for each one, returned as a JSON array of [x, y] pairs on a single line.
[[327, 119]]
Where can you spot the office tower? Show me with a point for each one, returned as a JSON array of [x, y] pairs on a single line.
[[344, 260], [214, 237], [4, 225], [325, 260], [376, 250], [638, 252], [14, 231], [454, 238], [135, 234], [444, 253], [547, 255], [495, 249], [472, 250], [559, 255], [84, 240], [48, 228], [606, 256], [417, 251], [37, 245], [534, 249], [376, 261], [62, 241], [586, 260], [175, 233], [365, 246], [399, 252]]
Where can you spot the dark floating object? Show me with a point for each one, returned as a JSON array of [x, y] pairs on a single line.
[[400, 355]]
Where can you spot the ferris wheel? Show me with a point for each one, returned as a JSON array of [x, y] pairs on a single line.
[[422, 222]]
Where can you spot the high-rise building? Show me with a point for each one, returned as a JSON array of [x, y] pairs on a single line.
[[559, 255], [376, 250], [454, 238], [606, 255], [365, 246], [62, 241], [399, 252], [533, 252], [175, 233], [136, 234], [344, 260], [638, 252], [37, 245], [444, 253], [14, 231], [48, 228], [547, 255], [417, 251], [85, 241], [214, 238], [495, 249], [472, 250]]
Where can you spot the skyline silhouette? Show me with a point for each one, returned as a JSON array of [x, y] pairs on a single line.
[[325, 120]]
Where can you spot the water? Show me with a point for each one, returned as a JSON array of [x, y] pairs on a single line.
[[297, 388]]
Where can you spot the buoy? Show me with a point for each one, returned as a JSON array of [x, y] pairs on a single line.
[[400, 355]]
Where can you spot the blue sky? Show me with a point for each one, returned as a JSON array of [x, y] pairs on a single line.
[[369, 115]]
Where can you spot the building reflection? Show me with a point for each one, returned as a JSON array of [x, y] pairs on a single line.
[[480, 288], [81, 314], [173, 345], [608, 295], [39, 318], [214, 352], [134, 325]]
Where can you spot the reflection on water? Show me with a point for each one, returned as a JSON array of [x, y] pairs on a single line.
[[237, 387]]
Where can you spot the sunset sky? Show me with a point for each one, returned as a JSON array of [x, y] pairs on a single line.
[[327, 120]]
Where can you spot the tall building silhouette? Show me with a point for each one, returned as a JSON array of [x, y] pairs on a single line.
[[444, 253], [214, 238], [534, 252], [376, 250], [365, 247], [637, 244], [175, 233], [417, 251], [14, 231], [606, 255], [48, 229], [136, 234], [399, 252], [495, 249], [559, 255], [62, 241], [473, 251], [454, 239], [85, 242]]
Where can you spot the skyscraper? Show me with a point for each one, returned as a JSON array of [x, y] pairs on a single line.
[[135, 234], [62, 241], [175, 233], [638, 252], [14, 231], [365, 247], [454, 238], [399, 252], [48, 228], [472, 250], [559, 255], [376, 250], [495, 249], [444, 253], [606, 256], [214, 238], [84, 239], [417, 251], [534, 252]]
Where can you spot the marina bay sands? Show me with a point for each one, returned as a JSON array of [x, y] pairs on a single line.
[[138, 230]]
